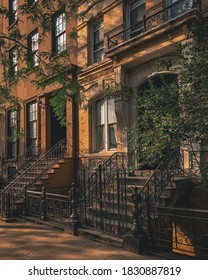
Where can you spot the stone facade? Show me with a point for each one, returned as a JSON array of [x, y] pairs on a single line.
[[128, 58]]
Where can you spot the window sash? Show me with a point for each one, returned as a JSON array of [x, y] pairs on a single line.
[[59, 33], [137, 10], [98, 42], [14, 60], [105, 125]]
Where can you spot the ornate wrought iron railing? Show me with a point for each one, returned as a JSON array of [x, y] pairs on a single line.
[[88, 179], [105, 207], [37, 169], [46, 206], [180, 230], [19, 162], [172, 11], [172, 164]]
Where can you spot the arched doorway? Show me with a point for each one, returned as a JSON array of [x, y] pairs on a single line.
[[161, 97]]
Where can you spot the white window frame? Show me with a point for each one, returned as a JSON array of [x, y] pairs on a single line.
[[106, 124], [33, 48], [59, 34], [32, 122], [13, 53], [13, 7]]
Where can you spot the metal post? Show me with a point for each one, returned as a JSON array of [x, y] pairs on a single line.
[[100, 195], [43, 205], [6, 207], [25, 212], [137, 229], [74, 201]]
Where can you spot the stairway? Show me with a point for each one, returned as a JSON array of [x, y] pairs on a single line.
[[106, 195], [18, 164], [37, 170]]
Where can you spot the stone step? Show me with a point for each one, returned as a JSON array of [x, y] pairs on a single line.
[[101, 237]]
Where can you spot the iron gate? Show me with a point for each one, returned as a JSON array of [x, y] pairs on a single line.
[[105, 201]]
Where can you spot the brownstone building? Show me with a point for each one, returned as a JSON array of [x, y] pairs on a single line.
[[118, 43], [122, 43], [118, 47], [35, 120]]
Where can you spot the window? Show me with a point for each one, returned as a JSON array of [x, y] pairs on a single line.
[[33, 48], [12, 11], [12, 134], [32, 124], [105, 125], [13, 61], [98, 41], [59, 32], [178, 8], [137, 10]]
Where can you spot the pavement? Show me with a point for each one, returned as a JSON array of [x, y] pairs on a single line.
[[25, 240]]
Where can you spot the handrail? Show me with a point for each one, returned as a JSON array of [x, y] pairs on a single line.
[[109, 168], [170, 12], [171, 165], [21, 156], [37, 169]]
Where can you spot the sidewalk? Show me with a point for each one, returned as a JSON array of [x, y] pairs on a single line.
[[23, 240]]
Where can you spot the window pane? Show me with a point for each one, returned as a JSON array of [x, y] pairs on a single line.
[[137, 11], [111, 111], [112, 136], [60, 24], [98, 41], [100, 117], [100, 138]]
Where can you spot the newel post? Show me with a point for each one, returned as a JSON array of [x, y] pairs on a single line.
[[71, 225]]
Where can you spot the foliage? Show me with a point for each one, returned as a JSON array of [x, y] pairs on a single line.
[[174, 111], [56, 70]]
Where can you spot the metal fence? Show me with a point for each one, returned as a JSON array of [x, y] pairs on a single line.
[[180, 230]]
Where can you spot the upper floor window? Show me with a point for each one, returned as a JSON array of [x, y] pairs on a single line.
[[33, 48], [98, 41], [105, 125], [59, 32], [13, 61], [13, 5], [179, 8], [137, 10]]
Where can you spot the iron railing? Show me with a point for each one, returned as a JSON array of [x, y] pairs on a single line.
[[172, 164], [88, 179], [105, 207], [19, 162], [180, 230], [37, 169], [172, 11], [47, 206]]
